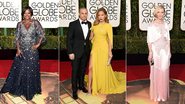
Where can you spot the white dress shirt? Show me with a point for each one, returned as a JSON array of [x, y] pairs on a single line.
[[85, 28]]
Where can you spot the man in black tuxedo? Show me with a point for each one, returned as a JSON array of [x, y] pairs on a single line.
[[78, 46]]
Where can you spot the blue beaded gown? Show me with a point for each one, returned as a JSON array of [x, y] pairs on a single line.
[[24, 76]]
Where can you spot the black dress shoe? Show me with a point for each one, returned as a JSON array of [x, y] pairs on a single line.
[[83, 89], [75, 96]]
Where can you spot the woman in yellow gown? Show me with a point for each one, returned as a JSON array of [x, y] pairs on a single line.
[[102, 79]]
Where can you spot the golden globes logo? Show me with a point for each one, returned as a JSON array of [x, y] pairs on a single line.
[[67, 10], [45, 11], [147, 12], [146, 9], [8, 12], [111, 7]]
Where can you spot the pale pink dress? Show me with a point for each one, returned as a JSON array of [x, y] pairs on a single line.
[[158, 36]]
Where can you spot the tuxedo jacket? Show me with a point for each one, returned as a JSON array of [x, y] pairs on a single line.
[[76, 42]]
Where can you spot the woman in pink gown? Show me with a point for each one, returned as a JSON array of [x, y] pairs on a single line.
[[158, 40]]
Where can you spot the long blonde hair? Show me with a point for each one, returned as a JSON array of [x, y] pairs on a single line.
[[96, 22]]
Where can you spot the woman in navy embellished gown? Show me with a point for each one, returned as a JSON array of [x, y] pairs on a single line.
[[24, 75]]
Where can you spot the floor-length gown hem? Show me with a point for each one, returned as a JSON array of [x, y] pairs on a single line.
[[24, 76]]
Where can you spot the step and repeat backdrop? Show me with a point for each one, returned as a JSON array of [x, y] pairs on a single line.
[[69, 10], [10, 13], [56, 13], [46, 11], [113, 8], [139, 14], [146, 8], [55, 16]]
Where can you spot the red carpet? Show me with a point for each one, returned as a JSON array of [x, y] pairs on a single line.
[[52, 66], [177, 71], [118, 65], [46, 66]]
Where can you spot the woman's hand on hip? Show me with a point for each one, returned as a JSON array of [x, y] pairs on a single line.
[[18, 53], [34, 47]]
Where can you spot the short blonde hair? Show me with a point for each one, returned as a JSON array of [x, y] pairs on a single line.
[[157, 9]]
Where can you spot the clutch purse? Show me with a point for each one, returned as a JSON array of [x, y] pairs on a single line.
[[152, 63]]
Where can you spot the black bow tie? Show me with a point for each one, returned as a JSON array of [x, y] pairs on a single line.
[[84, 23]]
